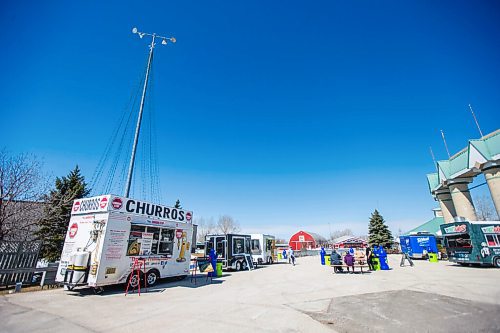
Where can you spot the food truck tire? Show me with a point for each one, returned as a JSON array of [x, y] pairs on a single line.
[[243, 265], [496, 262], [238, 265], [152, 277], [98, 290], [134, 283]]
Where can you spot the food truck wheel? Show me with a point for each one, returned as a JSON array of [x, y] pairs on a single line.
[[134, 281], [152, 277], [98, 290], [243, 265], [496, 262], [238, 265]]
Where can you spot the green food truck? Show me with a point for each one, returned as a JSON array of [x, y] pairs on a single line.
[[471, 242]]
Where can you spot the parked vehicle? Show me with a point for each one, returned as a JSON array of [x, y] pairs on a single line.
[[473, 242], [107, 233], [418, 245], [263, 249], [233, 250]]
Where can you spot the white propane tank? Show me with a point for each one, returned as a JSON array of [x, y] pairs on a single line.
[[78, 263]]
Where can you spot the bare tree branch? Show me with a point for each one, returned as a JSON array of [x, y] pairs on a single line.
[[227, 225], [22, 189]]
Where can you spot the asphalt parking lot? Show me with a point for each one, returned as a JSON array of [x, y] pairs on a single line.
[[308, 297]]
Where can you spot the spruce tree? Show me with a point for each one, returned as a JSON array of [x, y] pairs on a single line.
[[378, 232], [54, 223]]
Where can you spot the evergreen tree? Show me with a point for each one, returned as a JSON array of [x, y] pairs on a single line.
[[378, 232], [54, 223], [178, 204]]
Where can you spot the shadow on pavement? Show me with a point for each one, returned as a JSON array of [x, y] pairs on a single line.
[[163, 285]]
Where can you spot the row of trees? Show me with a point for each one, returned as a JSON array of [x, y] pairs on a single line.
[[30, 209], [224, 225]]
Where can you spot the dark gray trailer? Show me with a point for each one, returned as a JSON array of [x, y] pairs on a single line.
[[233, 250]]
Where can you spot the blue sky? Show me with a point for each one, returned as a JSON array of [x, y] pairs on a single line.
[[284, 115]]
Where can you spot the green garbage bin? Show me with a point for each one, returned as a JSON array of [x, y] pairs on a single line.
[[376, 263], [433, 257], [219, 269], [327, 260]]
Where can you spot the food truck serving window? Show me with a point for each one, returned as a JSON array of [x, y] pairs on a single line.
[[238, 245], [150, 241], [459, 241], [492, 240], [256, 246], [269, 245], [166, 242]]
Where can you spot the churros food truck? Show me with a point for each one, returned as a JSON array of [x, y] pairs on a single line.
[[107, 233], [471, 242]]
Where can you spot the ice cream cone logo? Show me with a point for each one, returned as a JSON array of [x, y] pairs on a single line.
[[184, 247], [178, 235]]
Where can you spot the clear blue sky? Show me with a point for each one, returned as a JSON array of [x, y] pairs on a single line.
[[285, 115]]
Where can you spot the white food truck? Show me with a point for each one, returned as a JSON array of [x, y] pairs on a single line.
[[108, 232], [263, 248]]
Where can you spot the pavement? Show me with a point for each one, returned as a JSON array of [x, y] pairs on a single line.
[[308, 297]]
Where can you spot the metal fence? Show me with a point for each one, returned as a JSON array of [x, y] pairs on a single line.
[[18, 261]]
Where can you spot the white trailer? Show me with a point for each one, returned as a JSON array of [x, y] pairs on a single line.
[[107, 233], [263, 248]]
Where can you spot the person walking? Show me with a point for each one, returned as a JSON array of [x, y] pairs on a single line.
[[349, 261], [404, 257], [369, 255], [292, 256]]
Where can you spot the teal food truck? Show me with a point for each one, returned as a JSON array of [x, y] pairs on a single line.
[[473, 242]]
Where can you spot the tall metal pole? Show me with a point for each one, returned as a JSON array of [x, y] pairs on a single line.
[[144, 89], [139, 118]]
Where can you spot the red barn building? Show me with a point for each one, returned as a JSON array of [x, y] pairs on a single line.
[[306, 240]]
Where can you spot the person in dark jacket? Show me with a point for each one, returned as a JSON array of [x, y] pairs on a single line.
[[369, 256], [336, 259], [349, 261]]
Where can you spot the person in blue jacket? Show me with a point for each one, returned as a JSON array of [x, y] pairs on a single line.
[[213, 260], [322, 254], [383, 259]]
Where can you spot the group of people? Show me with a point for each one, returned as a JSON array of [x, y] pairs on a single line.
[[351, 257]]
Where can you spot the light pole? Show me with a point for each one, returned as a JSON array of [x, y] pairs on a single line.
[[139, 118]]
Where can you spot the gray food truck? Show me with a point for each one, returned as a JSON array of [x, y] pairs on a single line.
[[232, 249], [472, 242]]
